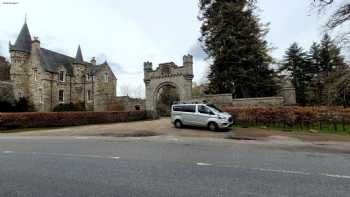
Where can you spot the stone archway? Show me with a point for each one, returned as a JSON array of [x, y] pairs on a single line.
[[167, 74]]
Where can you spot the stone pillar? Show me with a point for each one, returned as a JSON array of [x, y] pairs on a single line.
[[288, 94]]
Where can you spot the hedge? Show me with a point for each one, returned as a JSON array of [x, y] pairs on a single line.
[[302, 117], [54, 119]]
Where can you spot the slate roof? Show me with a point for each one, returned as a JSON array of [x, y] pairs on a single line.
[[79, 56], [24, 40], [51, 60]]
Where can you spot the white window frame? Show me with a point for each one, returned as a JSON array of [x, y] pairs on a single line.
[[64, 76], [106, 77], [59, 100], [35, 74]]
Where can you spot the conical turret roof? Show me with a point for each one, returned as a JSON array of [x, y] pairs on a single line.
[[24, 40], [79, 56]]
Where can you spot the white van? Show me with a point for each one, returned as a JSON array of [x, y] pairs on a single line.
[[202, 115]]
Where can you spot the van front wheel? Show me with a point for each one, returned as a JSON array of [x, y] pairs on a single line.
[[212, 126], [178, 124]]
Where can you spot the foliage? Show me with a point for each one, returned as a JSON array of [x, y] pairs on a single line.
[[4, 69], [313, 72], [293, 117], [37, 119], [297, 65], [167, 97], [70, 107], [234, 39], [338, 19], [21, 105]]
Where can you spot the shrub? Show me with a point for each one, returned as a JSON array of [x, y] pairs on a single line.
[[70, 107], [291, 116], [52, 119], [22, 105]]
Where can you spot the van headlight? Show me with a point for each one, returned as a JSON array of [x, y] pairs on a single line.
[[222, 117]]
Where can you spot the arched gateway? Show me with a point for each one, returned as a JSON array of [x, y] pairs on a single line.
[[167, 74]]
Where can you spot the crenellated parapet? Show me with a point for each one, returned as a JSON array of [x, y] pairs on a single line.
[[168, 74]]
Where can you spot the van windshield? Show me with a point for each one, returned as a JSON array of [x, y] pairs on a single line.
[[214, 108]]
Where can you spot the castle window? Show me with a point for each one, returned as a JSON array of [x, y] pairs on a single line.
[[89, 95], [61, 96], [41, 96], [35, 75], [106, 77], [61, 76]]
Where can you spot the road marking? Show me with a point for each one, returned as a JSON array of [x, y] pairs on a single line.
[[204, 164], [282, 171], [81, 138], [115, 157], [337, 176], [7, 152]]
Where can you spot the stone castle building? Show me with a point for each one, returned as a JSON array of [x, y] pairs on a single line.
[[47, 78]]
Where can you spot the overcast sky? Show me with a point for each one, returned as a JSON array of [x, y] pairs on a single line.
[[127, 33]]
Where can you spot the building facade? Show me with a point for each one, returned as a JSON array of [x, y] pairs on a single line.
[[47, 78]]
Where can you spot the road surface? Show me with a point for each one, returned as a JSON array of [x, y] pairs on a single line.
[[167, 166]]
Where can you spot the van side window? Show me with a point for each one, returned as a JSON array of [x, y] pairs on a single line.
[[185, 108], [190, 108], [204, 110]]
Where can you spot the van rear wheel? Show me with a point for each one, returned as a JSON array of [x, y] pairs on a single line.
[[178, 124], [212, 126]]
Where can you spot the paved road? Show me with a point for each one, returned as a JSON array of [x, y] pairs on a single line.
[[167, 166]]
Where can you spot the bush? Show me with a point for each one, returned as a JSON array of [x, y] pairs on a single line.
[[70, 107], [22, 105], [54, 119], [301, 117]]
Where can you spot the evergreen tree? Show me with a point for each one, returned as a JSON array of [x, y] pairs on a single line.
[[315, 85], [330, 56], [298, 66], [234, 39]]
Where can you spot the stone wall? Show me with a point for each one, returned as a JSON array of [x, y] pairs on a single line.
[[6, 91], [130, 104], [221, 100], [217, 99], [260, 102]]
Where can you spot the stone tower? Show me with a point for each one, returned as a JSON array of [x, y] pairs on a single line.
[[19, 55]]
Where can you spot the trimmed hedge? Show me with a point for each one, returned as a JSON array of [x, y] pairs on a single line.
[[302, 117], [53, 119]]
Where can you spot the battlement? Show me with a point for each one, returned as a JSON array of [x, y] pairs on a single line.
[[170, 69]]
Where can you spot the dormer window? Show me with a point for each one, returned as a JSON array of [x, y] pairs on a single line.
[[62, 76], [106, 77]]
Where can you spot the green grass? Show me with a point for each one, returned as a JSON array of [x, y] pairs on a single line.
[[312, 128]]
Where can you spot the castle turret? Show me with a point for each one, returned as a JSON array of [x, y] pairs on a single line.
[[188, 64], [79, 67], [147, 68], [20, 53], [93, 61]]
